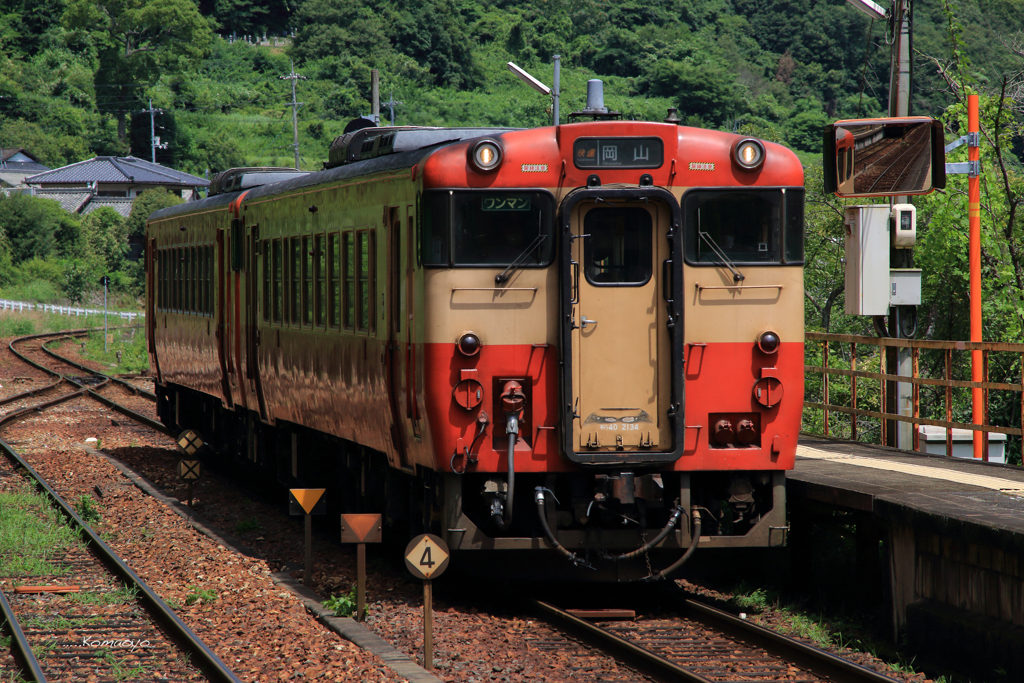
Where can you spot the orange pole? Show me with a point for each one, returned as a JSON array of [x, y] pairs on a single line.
[[974, 223]]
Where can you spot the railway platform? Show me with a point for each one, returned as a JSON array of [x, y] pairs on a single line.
[[951, 534]]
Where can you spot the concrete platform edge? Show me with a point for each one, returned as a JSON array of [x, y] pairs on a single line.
[[352, 630]]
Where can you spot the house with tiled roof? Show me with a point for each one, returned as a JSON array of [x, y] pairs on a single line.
[[16, 164], [122, 177]]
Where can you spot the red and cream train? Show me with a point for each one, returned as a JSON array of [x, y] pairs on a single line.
[[584, 337]]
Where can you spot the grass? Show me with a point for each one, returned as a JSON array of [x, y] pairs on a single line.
[[120, 670], [121, 596], [31, 533], [793, 621], [131, 344], [87, 509], [194, 595]]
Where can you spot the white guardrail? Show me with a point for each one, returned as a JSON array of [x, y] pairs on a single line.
[[20, 306]]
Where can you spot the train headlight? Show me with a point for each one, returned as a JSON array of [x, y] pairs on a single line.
[[469, 344], [485, 155], [768, 342], [749, 154]]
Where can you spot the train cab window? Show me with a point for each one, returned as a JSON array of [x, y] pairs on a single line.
[[743, 225], [320, 281], [333, 280], [487, 228], [295, 303], [348, 262], [276, 280], [619, 250]]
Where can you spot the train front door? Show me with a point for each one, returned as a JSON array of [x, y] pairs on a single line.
[[622, 328]]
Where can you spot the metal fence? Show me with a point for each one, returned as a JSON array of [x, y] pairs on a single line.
[[21, 306], [841, 343]]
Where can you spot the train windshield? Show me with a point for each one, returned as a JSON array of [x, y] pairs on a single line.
[[487, 228], [748, 226]]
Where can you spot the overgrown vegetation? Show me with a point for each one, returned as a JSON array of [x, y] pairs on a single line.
[[125, 352], [32, 534], [119, 596], [87, 508]]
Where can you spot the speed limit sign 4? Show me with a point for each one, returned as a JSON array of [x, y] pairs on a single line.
[[426, 556]]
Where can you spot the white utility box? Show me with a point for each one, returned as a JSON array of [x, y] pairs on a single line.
[[867, 259], [905, 287], [933, 441], [904, 221]]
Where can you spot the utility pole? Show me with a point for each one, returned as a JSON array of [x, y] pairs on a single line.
[[295, 111], [555, 91], [391, 106], [900, 361], [154, 141], [375, 96]]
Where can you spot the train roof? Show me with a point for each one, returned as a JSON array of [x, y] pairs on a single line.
[[354, 170]]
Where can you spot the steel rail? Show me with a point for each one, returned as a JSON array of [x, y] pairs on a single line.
[[651, 663], [139, 417], [20, 642], [85, 368], [203, 656], [206, 659], [816, 660]]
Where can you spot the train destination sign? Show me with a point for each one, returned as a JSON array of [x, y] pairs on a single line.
[[618, 153]]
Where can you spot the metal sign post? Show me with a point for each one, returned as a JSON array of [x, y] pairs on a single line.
[[426, 557], [308, 502], [361, 529], [105, 281], [189, 443], [190, 471]]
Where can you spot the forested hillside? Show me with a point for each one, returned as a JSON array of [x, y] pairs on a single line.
[[77, 75]]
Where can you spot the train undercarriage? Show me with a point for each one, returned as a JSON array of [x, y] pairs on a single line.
[[611, 524]]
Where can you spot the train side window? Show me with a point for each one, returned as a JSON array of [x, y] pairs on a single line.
[[362, 281], [193, 268], [371, 279], [160, 279], [296, 292], [277, 280], [307, 281], [333, 279], [349, 278], [209, 280], [265, 249], [319, 281]]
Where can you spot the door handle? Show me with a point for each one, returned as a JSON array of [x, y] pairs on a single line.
[[584, 322]]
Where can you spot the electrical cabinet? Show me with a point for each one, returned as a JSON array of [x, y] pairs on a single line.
[[905, 287], [867, 259]]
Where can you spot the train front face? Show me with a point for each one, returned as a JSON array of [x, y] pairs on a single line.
[[614, 312]]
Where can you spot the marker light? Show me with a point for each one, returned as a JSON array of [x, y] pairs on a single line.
[[485, 155], [768, 342], [469, 344], [749, 154]]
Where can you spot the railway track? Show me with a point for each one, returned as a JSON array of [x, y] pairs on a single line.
[[705, 644], [91, 617]]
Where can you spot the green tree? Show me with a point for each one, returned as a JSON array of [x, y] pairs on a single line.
[[106, 237], [137, 41], [145, 204], [37, 227]]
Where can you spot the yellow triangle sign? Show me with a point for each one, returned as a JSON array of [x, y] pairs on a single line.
[[360, 528], [307, 498]]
